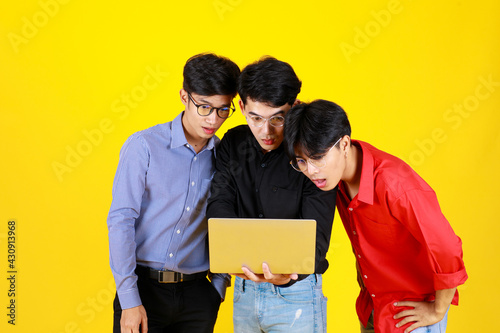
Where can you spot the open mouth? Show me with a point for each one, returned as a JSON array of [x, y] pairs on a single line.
[[208, 130], [320, 183], [268, 142]]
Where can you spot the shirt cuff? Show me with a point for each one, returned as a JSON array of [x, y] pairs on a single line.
[[449, 280], [129, 299], [292, 282], [221, 282]]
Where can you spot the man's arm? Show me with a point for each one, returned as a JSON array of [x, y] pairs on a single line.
[[128, 188], [320, 206], [419, 211], [425, 313], [222, 201], [220, 283]]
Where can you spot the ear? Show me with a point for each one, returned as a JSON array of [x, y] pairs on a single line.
[[345, 144], [184, 97], [297, 101], [242, 106]]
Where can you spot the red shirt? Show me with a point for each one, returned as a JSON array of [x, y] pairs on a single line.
[[405, 247]]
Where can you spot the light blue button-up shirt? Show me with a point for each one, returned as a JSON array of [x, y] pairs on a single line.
[[157, 216]]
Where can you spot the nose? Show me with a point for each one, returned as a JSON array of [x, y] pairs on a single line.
[[212, 118], [311, 169], [267, 127]]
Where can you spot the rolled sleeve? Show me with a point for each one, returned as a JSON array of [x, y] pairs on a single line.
[[419, 210], [449, 280]]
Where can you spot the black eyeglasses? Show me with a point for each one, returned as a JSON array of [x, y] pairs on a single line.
[[300, 164], [205, 110]]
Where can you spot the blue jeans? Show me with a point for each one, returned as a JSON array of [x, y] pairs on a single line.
[[439, 327], [264, 307]]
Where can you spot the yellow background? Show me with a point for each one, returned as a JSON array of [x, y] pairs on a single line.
[[401, 69]]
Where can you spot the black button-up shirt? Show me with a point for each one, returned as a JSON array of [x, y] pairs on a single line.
[[251, 184]]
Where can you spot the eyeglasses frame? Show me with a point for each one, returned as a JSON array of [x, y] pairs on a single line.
[[267, 119], [232, 108], [296, 168]]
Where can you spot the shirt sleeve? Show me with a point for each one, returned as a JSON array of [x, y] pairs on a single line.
[[419, 211], [128, 189], [221, 282], [320, 206], [222, 201]]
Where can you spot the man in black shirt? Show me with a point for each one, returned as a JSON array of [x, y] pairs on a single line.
[[254, 179]]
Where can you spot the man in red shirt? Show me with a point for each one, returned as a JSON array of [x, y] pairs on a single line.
[[409, 260]]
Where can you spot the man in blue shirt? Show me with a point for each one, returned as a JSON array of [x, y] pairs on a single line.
[[157, 225]]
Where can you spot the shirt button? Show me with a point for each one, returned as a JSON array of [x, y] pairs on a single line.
[[188, 145], [171, 255], [192, 183], [188, 209], [359, 256], [366, 277], [178, 231], [256, 190], [260, 215], [195, 158], [354, 231], [350, 209], [373, 295], [263, 165]]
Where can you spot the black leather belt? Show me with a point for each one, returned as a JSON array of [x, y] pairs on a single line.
[[170, 276]]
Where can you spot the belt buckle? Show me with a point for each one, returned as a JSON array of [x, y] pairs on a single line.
[[169, 277]]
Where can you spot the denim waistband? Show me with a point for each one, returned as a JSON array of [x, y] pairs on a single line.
[[241, 284]]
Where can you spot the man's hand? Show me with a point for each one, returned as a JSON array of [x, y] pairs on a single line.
[[422, 314], [277, 279], [132, 318], [425, 313]]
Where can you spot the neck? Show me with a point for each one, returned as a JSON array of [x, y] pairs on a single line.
[[194, 140], [196, 143], [265, 151], [352, 173]]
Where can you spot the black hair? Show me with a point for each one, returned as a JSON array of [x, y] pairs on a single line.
[[208, 74], [269, 81], [314, 127]]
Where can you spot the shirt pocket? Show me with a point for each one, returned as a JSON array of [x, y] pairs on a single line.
[[281, 203], [378, 235]]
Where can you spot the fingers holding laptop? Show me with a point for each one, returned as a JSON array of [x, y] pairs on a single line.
[[277, 278], [267, 276]]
